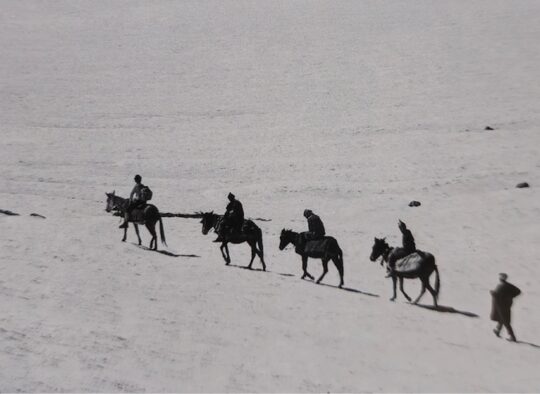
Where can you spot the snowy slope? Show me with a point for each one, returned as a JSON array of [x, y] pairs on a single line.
[[349, 108]]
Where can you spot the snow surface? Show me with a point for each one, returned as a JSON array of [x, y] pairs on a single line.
[[350, 108]]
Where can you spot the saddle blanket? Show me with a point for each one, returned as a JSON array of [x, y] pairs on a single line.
[[410, 263], [137, 215], [316, 247]]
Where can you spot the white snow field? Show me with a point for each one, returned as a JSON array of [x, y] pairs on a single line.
[[349, 108]]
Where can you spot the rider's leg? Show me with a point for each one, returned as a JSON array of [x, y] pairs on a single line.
[[220, 231], [126, 216]]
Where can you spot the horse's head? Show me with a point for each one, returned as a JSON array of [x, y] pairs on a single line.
[[111, 202], [285, 238], [379, 247], [208, 221]]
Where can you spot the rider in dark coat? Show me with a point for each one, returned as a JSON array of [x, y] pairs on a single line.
[[502, 299], [315, 226], [233, 219], [136, 199], [315, 229], [408, 247]]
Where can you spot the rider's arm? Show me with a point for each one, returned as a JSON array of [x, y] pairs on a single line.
[[133, 191]]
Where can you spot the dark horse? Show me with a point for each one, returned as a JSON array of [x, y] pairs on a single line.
[[149, 216], [251, 234], [332, 251], [424, 267]]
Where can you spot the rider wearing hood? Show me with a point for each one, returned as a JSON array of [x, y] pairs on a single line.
[[408, 247], [233, 219], [315, 229], [315, 226]]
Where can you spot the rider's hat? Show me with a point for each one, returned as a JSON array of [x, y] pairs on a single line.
[[308, 212], [230, 195]]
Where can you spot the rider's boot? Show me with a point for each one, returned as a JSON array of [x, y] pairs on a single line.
[[219, 237], [125, 224]]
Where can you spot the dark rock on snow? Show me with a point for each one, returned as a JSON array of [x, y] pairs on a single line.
[[37, 215], [9, 213]]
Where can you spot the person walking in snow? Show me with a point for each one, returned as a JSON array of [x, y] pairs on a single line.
[[502, 299]]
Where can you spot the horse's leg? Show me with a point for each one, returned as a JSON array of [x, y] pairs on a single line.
[[432, 291], [260, 251], [402, 290], [339, 265], [153, 241], [137, 232], [253, 247], [125, 235], [261, 256], [423, 280], [228, 254], [325, 269], [225, 253], [394, 280], [222, 250], [304, 268]]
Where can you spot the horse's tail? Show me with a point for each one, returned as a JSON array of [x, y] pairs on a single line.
[[162, 232], [437, 280]]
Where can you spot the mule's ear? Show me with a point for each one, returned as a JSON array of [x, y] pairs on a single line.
[[113, 192]]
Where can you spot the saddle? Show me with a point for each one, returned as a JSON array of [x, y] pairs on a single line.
[[409, 264], [245, 228], [313, 247], [137, 215]]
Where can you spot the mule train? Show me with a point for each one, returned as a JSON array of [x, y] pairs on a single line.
[[401, 263]]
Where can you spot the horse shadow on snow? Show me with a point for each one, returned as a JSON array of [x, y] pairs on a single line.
[[349, 289], [446, 309], [166, 252], [257, 269]]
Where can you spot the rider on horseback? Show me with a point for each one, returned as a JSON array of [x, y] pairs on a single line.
[[137, 199], [233, 219], [409, 246], [315, 229]]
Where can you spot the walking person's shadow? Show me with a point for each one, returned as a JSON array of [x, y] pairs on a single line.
[[534, 345]]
